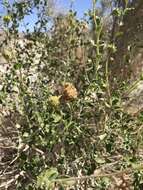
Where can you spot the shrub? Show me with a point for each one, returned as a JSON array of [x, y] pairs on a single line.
[[70, 129]]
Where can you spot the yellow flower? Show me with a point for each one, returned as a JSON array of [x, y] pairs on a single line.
[[7, 54], [7, 18], [54, 100], [69, 91]]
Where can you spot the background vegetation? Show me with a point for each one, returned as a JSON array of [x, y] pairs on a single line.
[[63, 125]]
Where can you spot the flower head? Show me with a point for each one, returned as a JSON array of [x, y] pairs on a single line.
[[7, 18], [54, 100], [69, 91]]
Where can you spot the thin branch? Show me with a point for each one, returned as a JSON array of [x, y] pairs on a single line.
[[99, 175]]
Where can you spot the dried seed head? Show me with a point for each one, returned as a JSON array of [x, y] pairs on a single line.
[[69, 91]]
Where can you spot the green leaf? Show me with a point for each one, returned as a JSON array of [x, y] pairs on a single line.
[[18, 66], [102, 137], [117, 12], [26, 135], [67, 182], [56, 118], [45, 179], [100, 160]]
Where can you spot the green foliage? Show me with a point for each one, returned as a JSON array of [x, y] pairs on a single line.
[[67, 117], [45, 179]]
